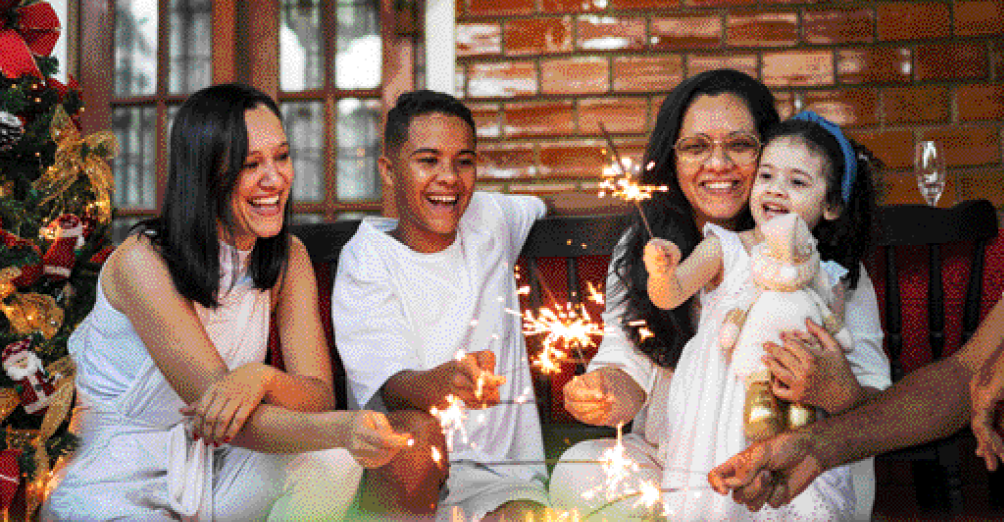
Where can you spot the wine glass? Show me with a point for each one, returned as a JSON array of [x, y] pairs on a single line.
[[930, 165]]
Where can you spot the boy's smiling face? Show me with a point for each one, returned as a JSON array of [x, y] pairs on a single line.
[[431, 176]]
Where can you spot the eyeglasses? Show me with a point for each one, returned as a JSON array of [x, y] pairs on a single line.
[[741, 149]]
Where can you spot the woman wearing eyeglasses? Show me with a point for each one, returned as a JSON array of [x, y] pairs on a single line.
[[704, 147]]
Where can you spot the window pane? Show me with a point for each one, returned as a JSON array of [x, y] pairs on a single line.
[[135, 166], [135, 47], [300, 39], [358, 59], [304, 123], [191, 45], [358, 149]]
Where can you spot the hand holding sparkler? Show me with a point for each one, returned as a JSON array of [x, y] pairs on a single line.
[[604, 397], [372, 442], [471, 377], [661, 256]]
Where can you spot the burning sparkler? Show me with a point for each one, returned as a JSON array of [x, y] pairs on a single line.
[[623, 186], [570, 326], [451, 419]]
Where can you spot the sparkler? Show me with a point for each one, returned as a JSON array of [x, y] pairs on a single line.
[[624, 187], [571, 326], [451, 420]]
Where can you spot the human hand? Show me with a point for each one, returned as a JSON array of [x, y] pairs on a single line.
[[811, 368], [661, 256], [772, 471], [227, 403], [472, 378], [987, 395], [372, 441], [588, 400]]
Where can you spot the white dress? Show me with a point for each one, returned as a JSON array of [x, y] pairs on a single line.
[[137, 461], [692, 419], [395, 309]]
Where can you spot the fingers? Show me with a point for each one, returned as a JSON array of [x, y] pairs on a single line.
[[824, 338], [660, 255]]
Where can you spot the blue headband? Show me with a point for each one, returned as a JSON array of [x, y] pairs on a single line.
[[850, 158]]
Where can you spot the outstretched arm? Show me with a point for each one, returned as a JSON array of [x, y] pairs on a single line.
[[928, 404], [671, 281]]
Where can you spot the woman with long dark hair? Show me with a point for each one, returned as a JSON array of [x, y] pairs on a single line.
[[177, 415], [704, 147]]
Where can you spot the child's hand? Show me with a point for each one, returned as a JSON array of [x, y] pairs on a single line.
[[987, 394], [661, 256], [587, 399], [372, 442], [473, 379]]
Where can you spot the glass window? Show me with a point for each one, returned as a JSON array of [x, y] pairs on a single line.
[[135, 47], [358, 149], [304, 122], [301, 57], [135, 166], [191, 45], [358, 60]]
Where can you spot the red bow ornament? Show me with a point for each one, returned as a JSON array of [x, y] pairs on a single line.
[[26, 32]]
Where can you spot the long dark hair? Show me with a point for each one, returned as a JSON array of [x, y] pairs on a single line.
[[671, 215], [848, 238], [209, 144]]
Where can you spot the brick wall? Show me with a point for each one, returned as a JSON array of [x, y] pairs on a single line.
[[540, 75]]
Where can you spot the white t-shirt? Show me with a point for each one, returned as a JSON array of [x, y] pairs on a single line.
[[395, 309]]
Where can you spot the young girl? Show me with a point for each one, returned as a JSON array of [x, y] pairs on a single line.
[[810, 168]]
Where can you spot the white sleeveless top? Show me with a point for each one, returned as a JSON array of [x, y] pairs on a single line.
[[123, 399]]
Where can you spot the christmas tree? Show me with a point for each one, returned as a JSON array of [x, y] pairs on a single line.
[[55, 211]]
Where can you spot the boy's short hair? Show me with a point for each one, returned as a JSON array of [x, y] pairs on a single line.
[[411, 105]]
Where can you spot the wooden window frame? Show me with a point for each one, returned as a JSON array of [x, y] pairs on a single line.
[[245, 48]]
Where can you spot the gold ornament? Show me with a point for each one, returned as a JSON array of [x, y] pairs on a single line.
[[76, 156], [8, 274], [9, 399], [32, 312]]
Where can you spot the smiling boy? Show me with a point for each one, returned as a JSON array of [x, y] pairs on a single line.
[[421, 308]]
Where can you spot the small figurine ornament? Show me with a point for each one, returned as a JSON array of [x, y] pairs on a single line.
[[25, 367], [789, 288], [58, 261]]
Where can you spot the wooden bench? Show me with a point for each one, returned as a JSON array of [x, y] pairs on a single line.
[[563, 255]]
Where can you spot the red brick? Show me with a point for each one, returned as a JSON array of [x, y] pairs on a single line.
[[581, 159], [502, 161], [836, 26], [460, 73], [486, 119], [686, 32], [542, 189], [619, 5], [874, 65], [501, 80], [980, 102], [746, 63], [572, 6], [647, 73], [778, 29], [719, 3], [538, 36], [983, 184], [953, 60], [617, 115], [847, 108], [576, 75], [610, 33], [893, 147], [496, 8], [478, 39], [911, 20], [978, 17], [915, 104], [798, 68], [968, 145], [538, 119]]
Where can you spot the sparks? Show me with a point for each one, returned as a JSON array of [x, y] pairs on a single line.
[[570, 326], [452, 419], [594, 294]]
